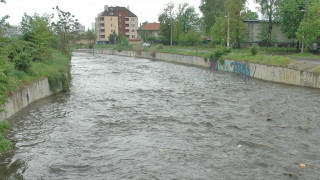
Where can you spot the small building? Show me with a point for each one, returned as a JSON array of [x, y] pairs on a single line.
[[150, 29], [13, 31], [255, 27], [119, 20]]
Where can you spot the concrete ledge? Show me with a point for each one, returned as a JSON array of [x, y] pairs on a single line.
[[21, 98], [259, 71]]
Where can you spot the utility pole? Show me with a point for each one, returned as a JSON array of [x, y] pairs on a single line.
[[305, 21], [228, 35], [171, 34]]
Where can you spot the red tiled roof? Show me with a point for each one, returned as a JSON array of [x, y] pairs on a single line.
[[151, 27]]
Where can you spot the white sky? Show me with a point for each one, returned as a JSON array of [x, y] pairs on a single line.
[[86, 11]]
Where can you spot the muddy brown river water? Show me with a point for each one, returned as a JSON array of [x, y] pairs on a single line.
[[128, 118]]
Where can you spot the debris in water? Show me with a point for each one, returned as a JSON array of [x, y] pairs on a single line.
[[302, 166], [239, 146]]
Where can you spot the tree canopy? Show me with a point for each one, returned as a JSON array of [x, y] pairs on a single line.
[[210, 10]]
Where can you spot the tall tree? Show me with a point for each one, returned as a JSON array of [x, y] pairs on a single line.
[[66, 28], [210, 10], [166, 19], [290, 15], [250, 15], [237, 30], [3, 24], [310, 26], [268, 9], [187, 17], [90, 35], [37, 29]]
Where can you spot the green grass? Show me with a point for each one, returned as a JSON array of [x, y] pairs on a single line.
[[318, 70], [245, 56], [305, 55], [38, 70]]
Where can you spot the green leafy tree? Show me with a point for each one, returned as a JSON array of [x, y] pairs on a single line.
[[66, 29], [250, 15], [166, 19], [310, 27], [290, 15], [37, 30], [191, 38], [113, 38], [210, 10], [238, 31], [90, 35], [187, 17], [268, 9], [3, 24]]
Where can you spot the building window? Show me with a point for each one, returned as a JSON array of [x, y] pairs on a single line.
[[102, 36], [101, 19], [132, 19], [119, 14], [111, 19], [132, 25], [132, 30], [120, 20], [101, 24], [111, 25], [133, 36], [120, 26], [101, 30]]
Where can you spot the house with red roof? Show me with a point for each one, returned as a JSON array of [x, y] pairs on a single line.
[[149, 29]]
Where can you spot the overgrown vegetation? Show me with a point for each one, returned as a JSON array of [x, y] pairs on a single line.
[[5, 145], [35, 55]]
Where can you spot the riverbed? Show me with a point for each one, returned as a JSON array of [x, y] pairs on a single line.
[[130, 118]]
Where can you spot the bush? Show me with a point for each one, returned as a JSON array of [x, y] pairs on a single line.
[[137, 49], [5, 145], [219, 51], [254, 50], [59, 80], [160, 47], [22, 62]]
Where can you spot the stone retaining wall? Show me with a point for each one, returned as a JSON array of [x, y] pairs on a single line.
[[259, 71]]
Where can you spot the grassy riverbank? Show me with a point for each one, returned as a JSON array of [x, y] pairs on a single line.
[[54, 68], [285, 57]]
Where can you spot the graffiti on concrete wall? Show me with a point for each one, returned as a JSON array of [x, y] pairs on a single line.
[[216, 65], [239, 68]]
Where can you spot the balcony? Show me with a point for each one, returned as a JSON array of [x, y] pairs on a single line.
[[127, 27], [127, 22]]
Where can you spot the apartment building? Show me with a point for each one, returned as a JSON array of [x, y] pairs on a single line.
[[116, 19]]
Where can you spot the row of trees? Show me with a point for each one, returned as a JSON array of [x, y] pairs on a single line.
[[179, 26], [298, 19]]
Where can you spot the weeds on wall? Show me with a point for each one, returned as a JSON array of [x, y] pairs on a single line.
[[218, 52], [59, 81], [5, 145]]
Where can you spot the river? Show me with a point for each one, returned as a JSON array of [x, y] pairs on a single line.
[[129, 118]]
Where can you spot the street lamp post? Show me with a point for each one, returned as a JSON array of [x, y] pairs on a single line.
[[170, 33], [305, 20]]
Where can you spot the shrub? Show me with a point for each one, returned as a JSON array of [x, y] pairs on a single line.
[[219, 51], [5, 145], [254, 50], [22, 62], [137, 49], [160, 47]]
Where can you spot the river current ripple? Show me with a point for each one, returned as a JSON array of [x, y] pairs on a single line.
[[128, 118]]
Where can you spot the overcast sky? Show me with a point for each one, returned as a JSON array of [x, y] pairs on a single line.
[[86, 11]]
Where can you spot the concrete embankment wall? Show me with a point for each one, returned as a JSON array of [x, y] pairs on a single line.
[[19, 99], [259, 71]]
